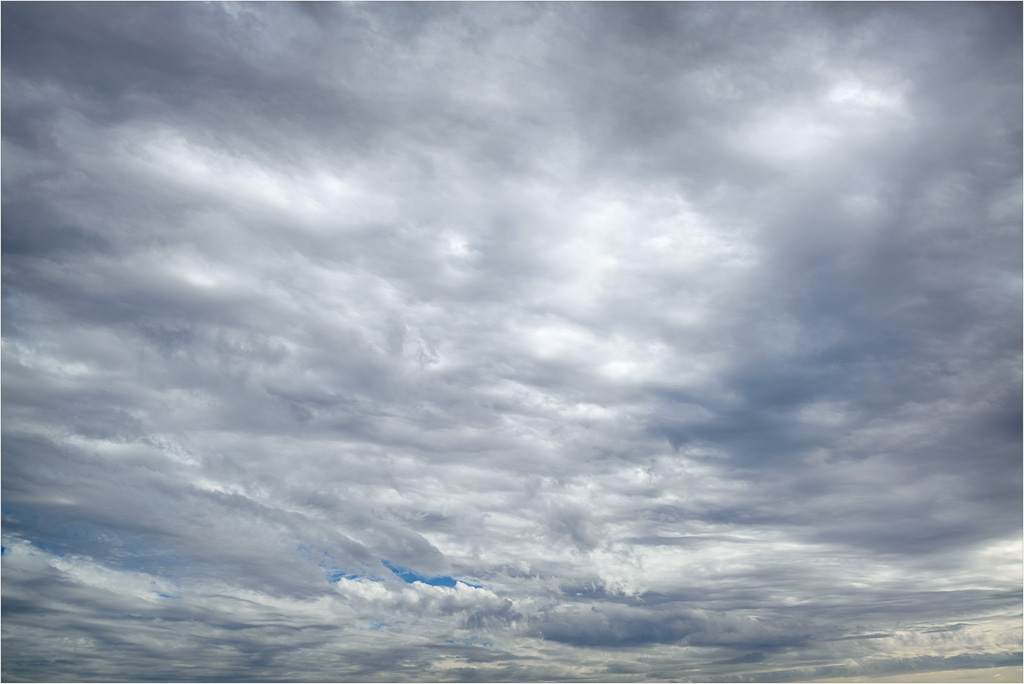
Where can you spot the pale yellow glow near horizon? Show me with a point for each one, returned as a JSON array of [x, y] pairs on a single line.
[[1011, 673]]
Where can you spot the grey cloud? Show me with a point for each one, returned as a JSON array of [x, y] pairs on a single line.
[[615, 627], [685, 335]]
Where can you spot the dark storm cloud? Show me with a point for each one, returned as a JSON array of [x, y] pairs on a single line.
[[645, 340]]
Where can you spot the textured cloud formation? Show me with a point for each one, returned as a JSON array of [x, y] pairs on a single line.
[[617, 342]]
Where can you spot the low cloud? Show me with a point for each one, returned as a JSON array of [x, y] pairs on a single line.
[[404, 342]]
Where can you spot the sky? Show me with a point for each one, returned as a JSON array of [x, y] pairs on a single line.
[[511, 341]]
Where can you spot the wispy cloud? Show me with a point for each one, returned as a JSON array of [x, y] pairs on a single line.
[[521, 342]]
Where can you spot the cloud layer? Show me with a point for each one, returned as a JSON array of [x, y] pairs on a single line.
[[510, 342]]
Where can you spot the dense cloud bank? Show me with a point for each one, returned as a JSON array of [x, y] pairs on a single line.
[[510, 341]]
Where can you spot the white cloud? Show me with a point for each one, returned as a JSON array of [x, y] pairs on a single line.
[[684, 353]]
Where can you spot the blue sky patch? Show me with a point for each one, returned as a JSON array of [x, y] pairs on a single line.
[[410, 576], [472, 641], [335, 575], [330, 566]]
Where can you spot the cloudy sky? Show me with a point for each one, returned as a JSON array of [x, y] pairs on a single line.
[[509, 342]]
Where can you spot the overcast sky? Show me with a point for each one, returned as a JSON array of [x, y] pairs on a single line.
[[505, 342]]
